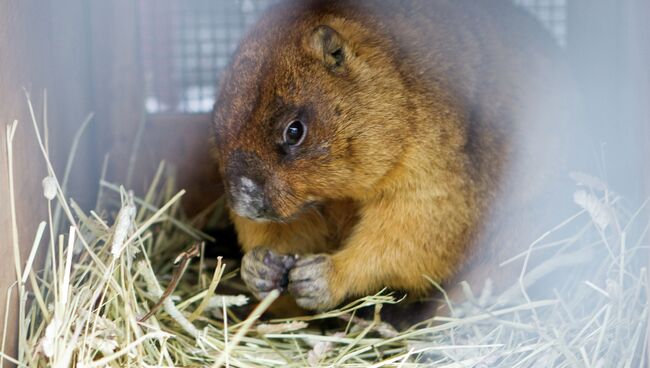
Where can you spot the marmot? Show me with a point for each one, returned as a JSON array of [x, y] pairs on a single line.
[[364, 144]]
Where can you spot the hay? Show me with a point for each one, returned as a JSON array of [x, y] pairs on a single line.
[[111, 296]]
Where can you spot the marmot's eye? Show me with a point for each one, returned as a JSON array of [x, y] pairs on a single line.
[[294, 133]]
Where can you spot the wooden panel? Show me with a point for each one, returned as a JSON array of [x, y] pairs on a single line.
[[604, 47], [640, 46], [41, 46], [183, 141], [117, 80], [17, 48]]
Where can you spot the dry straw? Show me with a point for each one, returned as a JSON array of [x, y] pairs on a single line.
[[114, 264]]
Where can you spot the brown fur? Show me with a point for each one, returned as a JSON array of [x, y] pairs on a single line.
[[412, 142]]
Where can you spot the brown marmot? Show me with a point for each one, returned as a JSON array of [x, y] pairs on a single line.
[[365, 144]]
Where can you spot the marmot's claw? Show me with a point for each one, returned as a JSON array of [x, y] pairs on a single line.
[[309, 282], [264, 270]]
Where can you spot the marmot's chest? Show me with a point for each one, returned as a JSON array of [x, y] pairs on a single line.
[[341, 217]]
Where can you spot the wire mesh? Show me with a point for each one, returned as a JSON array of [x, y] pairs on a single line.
[[186, 44], [552, 14]]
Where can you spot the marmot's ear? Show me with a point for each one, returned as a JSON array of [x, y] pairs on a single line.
[[333, 48]]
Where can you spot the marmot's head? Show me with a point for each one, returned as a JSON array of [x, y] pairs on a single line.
[[311, 108]]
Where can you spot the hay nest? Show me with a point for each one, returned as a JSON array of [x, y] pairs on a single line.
[[127, 284]]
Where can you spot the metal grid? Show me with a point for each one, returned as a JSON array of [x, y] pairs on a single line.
[[552, 13], [185, 45]]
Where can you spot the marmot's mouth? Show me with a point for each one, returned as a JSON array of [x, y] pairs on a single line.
[[245, 211], [303, 209], [272, 217]]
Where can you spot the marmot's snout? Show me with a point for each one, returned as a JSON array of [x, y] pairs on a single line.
[[246, 187], [247, 200]]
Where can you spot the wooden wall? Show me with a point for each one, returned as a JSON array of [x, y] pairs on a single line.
[[42, 46], [608, 45], [86, 55]]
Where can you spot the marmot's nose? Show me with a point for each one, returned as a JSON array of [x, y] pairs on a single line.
[[247, 199]]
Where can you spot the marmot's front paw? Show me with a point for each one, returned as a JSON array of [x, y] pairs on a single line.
[[309, 282], [264, 270]]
